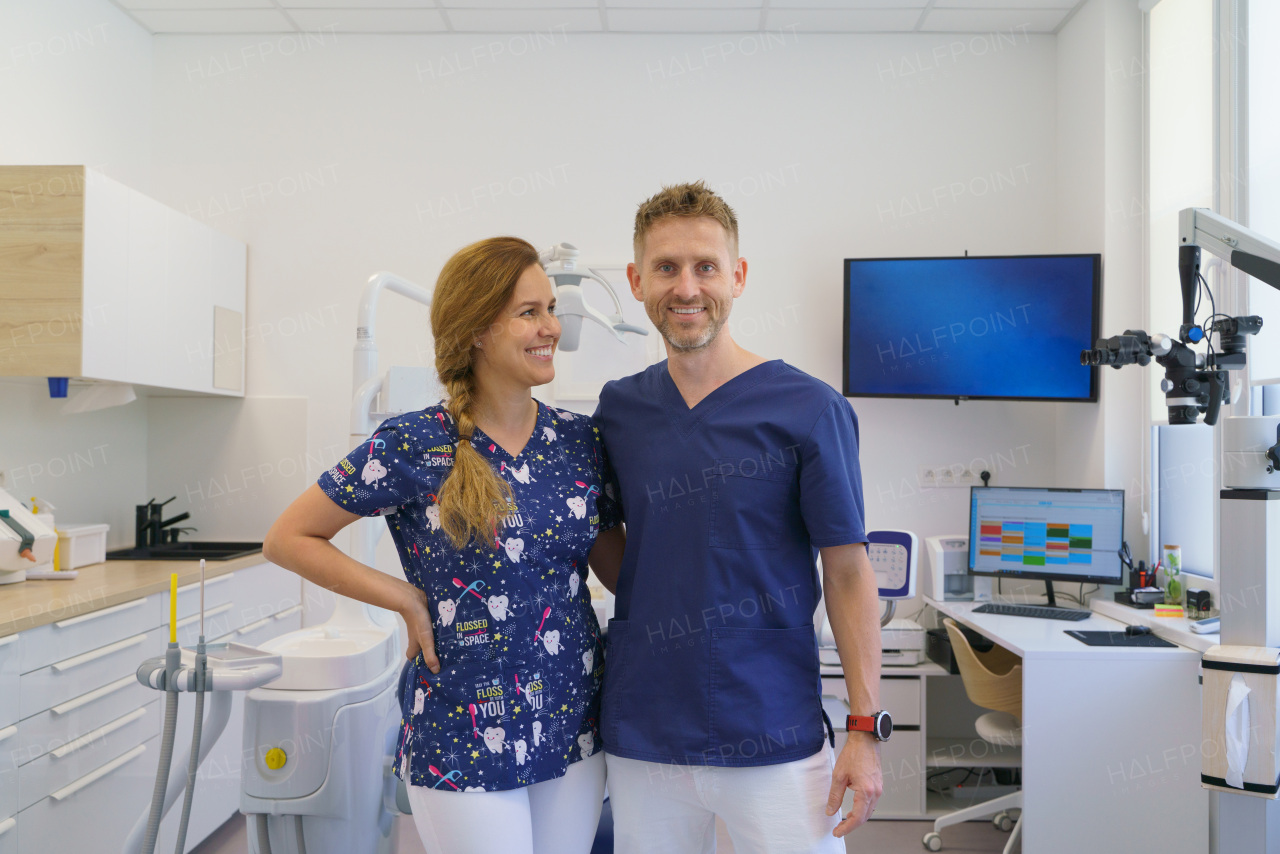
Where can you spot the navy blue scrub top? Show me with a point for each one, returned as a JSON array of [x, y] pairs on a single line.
[[712, 659], [517, 697]]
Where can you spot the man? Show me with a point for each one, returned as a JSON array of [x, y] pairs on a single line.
[[732, 471]]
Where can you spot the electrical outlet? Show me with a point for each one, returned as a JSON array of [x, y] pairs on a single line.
[[946, 476], [966, 477], [928, 477]]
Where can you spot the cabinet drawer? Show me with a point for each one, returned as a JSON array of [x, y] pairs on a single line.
[[55, 641], [8, 772], [71, 677], [262, 590], [263, 630], [10, 659], [64, 765], [217, 591], [69, 720], [218, 620], [899, 696], [96, 811]]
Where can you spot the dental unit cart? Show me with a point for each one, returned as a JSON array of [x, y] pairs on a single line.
[[216, 669]]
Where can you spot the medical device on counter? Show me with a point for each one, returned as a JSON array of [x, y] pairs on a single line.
[[27, 541], [1248, 512], [337, 691], [948, 579], [216, 669], [894, 556]]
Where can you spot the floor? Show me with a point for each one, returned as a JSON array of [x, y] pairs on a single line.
[[880, 837]]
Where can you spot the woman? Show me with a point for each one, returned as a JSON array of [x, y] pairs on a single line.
[[495, 503]]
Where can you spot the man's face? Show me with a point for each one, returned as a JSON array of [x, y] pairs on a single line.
[[688, 277]]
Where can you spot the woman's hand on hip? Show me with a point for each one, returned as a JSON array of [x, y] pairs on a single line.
[[417, 619]]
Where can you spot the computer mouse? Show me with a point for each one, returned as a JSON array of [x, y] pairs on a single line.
[[1135, 631]]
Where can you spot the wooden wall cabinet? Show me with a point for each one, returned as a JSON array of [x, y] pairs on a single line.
[[98, 281]]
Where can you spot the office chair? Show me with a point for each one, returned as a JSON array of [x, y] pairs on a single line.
[[993, 680]]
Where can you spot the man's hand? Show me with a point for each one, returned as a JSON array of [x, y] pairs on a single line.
[[857, 768], [417, 619]]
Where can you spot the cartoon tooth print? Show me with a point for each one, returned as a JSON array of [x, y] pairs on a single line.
[[549, 434], [374, 471], [574, 581], [433, 517], [514, 547], [420, 699], [578, 506], [493, 738], [537, 733], [521, 474], [588, 659], [446, 609], [522, 748], [498, 607], [586, 741], [551, 640], [566, 416], [474, 789]]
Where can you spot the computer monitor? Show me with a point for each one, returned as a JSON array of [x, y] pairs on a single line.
[[1046, 534]]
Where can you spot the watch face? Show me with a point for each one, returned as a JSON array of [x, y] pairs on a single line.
[[884, 726]]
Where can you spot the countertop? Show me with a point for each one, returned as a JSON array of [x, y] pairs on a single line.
[[28, 604]]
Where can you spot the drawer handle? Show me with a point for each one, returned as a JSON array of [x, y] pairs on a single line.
[[96, 694], [195, 618], [253, 627], [96, 775], [7, 825], [8, 732], [78, 660], [101, 732], [10, 639], [207, 584], [288, 613], [93, 615]]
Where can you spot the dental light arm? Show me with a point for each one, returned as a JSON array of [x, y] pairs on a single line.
[[562, 266], [1196, 383]]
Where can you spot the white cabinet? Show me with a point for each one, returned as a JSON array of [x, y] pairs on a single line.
[[98, 281], [82, 758]]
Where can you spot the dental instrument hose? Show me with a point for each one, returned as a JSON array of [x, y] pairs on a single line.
[[172, 660], [202, 685]]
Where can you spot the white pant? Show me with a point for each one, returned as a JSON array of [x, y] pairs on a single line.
[[778, 809], [553, 817]]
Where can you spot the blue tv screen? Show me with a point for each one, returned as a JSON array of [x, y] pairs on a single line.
[[1009, 327]]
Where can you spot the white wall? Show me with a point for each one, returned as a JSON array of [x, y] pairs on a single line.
[[338, 156], [75, 82]]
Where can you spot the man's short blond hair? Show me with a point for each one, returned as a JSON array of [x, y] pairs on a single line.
[[684, 200]]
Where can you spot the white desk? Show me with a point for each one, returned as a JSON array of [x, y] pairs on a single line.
[[1111, 738]]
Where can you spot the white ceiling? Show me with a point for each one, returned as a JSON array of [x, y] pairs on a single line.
[[599, 16]]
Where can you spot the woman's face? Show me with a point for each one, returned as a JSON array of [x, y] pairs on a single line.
[[518, 347]]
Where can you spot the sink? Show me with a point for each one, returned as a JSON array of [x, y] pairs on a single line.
[[187, 551]]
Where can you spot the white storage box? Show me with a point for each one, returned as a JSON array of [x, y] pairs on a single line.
[[81, 545], [1238, 754]]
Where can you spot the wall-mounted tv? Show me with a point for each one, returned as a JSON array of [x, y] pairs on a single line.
[[1005, 327]]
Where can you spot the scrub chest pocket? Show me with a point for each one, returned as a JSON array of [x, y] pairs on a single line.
[[753, 504]]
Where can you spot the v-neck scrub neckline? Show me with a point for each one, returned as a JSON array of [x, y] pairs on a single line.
[[482, 441], [688, 417]]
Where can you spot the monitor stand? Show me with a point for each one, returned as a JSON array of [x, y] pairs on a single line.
[[1052, 602]]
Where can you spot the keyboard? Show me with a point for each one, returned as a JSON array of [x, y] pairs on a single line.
[[1042, 611]]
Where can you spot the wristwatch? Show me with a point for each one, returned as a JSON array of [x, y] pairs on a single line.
[[880, 725]]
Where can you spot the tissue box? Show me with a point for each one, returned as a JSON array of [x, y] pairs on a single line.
[[1259, 668]]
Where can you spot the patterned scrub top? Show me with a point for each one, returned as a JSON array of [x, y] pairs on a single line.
[[517, 697]]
